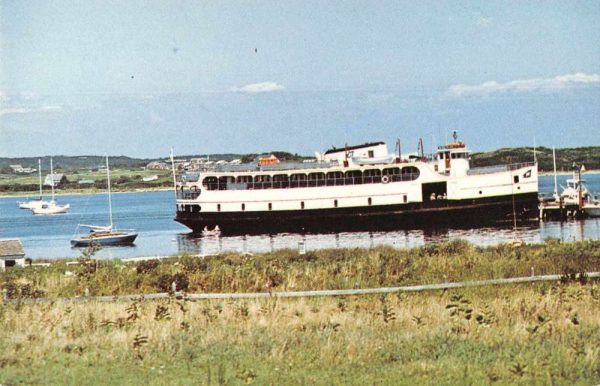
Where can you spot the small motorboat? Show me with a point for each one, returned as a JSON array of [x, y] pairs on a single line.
[[215, 232], [592, 206]]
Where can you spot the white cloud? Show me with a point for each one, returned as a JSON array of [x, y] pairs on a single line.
[[25, 110], [524, 85], [484, 21], [260, 87]]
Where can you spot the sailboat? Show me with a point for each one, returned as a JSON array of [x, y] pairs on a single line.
[[105, 235], [51, 207], [36, 203]]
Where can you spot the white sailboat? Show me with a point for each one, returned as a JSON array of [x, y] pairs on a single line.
[[105, 235], [51, 207], [36, 203]]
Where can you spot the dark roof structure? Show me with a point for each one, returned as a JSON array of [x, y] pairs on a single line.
[[335, 150], [11, 248]]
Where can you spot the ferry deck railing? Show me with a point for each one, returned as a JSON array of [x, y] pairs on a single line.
[[498, 168]]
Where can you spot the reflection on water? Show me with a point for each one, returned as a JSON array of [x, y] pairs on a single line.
[[211, 245]]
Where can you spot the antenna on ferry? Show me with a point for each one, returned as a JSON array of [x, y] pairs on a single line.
[[174, 177], [455, 135], [421, 148], [534, 152]]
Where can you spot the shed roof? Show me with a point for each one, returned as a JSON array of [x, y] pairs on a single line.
[[346, 148], [11, 248]]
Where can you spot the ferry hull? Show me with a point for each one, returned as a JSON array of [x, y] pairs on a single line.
[[491, 210]]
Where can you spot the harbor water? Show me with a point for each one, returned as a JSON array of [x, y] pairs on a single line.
[[151, 215]]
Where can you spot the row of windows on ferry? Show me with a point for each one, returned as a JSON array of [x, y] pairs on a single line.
[[297, 180]]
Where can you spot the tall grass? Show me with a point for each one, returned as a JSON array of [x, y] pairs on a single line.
[[542, 334], [287, 270]]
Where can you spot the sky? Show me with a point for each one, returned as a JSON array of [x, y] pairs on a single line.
[[136, 78]]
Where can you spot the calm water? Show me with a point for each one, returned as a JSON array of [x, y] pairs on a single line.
[[151, 214]]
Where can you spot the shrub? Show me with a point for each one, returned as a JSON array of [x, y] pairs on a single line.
[[144, 267]]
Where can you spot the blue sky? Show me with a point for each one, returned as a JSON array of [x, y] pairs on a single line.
[[137, 77]]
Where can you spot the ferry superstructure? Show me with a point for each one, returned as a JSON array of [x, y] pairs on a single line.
[[357, 188]]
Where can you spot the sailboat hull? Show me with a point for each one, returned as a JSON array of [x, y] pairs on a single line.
[[121, 239], [51, 208], [33, 204]]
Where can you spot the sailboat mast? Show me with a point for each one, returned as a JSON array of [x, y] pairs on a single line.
[[109, 198], [40, 175], [52, 178], [174, 175], [554, 162]]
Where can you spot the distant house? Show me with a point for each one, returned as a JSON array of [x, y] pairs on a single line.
[[85, 182], [11, 254], [270, 160], [150, 178], [157, 165], [55, 180], [18, 169]]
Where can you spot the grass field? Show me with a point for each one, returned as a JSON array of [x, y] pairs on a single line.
[[545, 333], [121, 180]]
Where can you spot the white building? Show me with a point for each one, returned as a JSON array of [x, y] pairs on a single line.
[[11, 254]]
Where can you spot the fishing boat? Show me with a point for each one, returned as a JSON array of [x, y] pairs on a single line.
[[104, 235], [38, 202], [335, 193], [51, 207]]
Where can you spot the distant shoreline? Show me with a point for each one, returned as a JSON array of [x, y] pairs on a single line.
[[164, 189], [81, 192], [568, 173]]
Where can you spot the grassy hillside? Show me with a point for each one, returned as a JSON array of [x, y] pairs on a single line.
[[62, 163], [588, 156]]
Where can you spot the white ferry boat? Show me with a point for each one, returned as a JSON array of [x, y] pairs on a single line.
[[356, 188]]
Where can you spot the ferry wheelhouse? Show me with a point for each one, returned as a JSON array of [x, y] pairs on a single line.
[[356, 188]]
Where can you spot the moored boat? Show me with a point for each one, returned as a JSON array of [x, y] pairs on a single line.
[[37, 202], [105, 235], [334, 193], [52, 207]]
